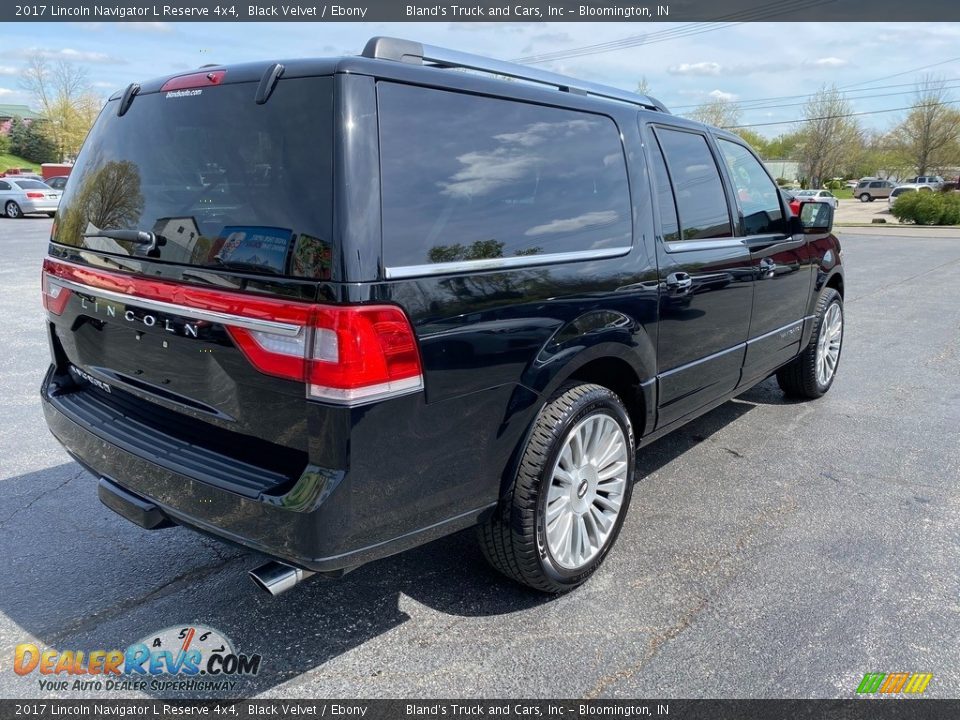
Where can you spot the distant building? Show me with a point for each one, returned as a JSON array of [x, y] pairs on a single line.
[[9, 112]]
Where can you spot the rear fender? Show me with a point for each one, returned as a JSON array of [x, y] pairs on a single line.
[[596, 335]]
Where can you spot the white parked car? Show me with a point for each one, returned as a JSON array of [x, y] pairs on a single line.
[[909, 187], [824, 196]]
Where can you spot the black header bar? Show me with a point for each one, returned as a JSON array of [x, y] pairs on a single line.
[[853, 709], [640, 11]]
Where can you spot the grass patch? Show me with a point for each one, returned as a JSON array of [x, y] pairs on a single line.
[[13, 161]]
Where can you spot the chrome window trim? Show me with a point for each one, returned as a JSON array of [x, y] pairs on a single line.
[[687, 245], [269, 326], [462, 266]]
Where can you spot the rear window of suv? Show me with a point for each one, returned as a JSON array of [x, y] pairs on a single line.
[[469, 178], [228, 183]]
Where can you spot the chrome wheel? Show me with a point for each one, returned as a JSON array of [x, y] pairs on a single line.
[[828, 344], [12, 210], [586, 491]]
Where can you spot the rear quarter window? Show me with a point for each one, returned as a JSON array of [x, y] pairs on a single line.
[[474, 178]]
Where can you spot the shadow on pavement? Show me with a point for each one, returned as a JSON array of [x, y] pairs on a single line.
[[83, 578]]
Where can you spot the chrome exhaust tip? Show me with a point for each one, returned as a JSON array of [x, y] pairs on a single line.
[[277, 577]]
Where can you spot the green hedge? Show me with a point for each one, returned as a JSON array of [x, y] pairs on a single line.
[[928, 208]]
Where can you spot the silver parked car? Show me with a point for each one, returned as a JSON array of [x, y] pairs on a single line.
[[19, 197]]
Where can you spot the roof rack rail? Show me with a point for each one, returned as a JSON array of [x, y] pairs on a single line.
[[409, 51]]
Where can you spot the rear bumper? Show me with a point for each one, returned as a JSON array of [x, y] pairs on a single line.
[[39, 206], [309, 526]]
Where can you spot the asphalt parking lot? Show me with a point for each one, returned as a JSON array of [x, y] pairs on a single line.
[[772, 549], [854, 211]]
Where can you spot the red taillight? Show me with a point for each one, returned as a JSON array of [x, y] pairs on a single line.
[[354, 354], [34, 194], [345, 355], [361, 353], [55, 296], [194, 80]]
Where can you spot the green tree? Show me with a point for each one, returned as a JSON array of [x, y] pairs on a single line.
[[755, 140], [478, 250], [929, 137], [29, 140], [784, 146], [828, 136], [109, 197], [66, 100], [718, 112]]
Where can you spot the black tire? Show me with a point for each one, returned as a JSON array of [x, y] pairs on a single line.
[[799, 378], [50, 215], [865, 198], [513, 539], [12, 210]]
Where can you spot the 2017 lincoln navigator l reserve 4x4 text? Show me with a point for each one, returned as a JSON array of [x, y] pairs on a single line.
[[332, 309]]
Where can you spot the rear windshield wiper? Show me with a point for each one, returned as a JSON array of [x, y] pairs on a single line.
[[138, 237], [239, 265]]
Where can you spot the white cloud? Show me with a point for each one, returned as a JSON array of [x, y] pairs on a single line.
[[698, 68], [590, 219], [721, 95], [81, 56], [7, 70], [161, 27], [6, 91], [152, 27], [832, 62]]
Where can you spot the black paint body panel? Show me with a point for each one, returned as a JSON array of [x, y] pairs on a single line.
[[364, 482]]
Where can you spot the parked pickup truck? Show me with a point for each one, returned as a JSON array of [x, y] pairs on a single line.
[[333, 309]]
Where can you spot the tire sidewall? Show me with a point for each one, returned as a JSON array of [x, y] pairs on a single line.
[[597, 404]]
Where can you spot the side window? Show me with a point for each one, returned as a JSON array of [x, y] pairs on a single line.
[[472, 178], [757, 194], [876, 184], [697, 187], [4, 185], [669, 225]]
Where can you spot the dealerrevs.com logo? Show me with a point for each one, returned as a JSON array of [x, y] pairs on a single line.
[[181, 658]]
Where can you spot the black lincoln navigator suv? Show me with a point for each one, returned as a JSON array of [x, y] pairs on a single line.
[[332, 309]]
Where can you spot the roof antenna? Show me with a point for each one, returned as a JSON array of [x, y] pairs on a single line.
[[127, 100], [268, 82]]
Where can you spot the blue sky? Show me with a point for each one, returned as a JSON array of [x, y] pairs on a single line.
[[744, 62]]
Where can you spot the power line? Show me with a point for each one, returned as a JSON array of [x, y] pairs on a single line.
[[845, 115], [905, 72], [761, 12], [862, 97], [743, 104]]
